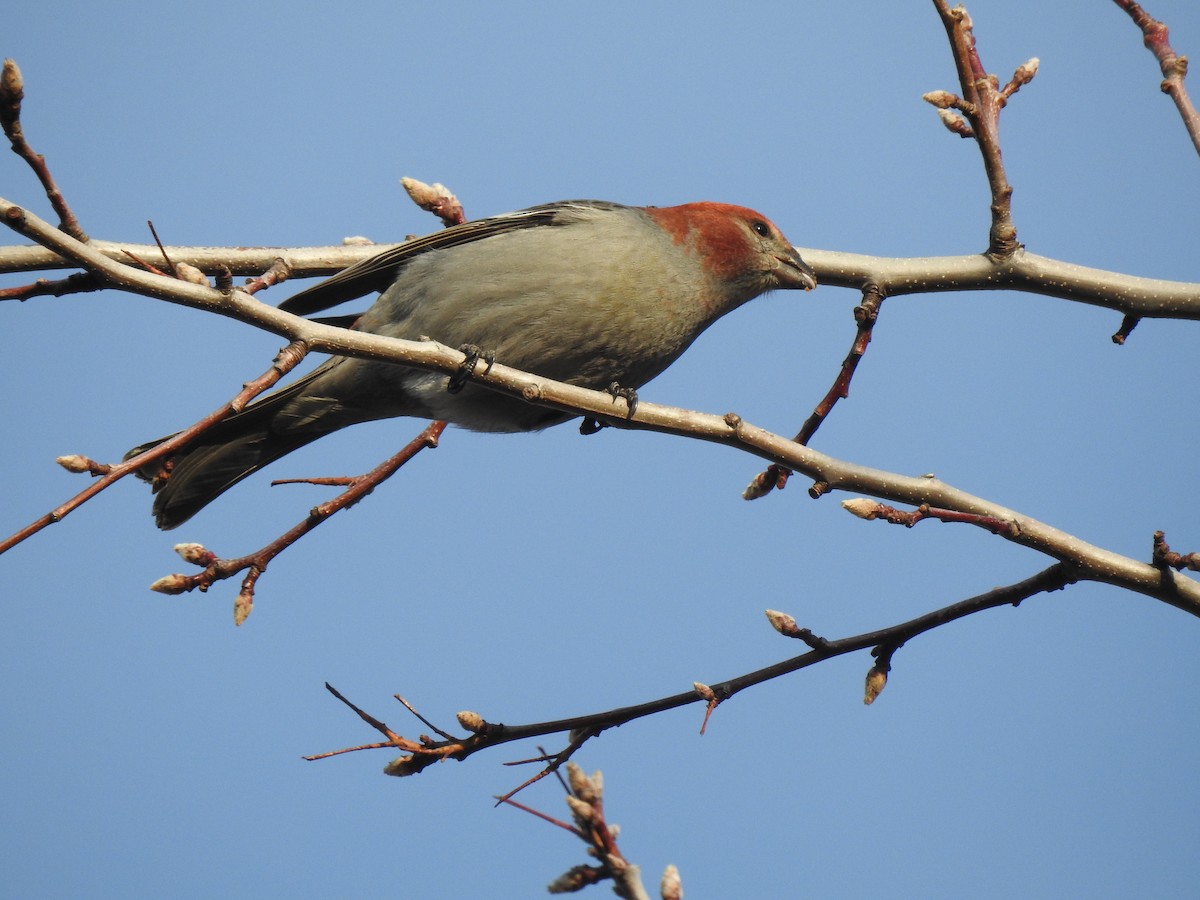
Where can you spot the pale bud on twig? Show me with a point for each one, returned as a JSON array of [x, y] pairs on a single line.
[[435, 198], [581, 809], [171, 584], [1026, 71], [189, 273], [402, 766], [703, 691], [12, 92], [861, 507], [74, 463], [574, 879], [472, 721], [584, 787], [781, 622], [876, 682], [242, 606], [671, 887], [196, 554], [941, 99], [955, 123]]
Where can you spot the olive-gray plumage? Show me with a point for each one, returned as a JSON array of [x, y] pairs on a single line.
[[585, 292]]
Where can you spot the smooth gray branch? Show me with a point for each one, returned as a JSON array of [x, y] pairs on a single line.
[[893, 276]]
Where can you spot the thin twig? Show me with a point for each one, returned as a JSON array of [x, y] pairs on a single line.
[[257, 562], [1174, 67], [865, 314], [284, 362], [886, 640], [12, 93]]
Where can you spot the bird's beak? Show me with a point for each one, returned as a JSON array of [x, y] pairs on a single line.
[[793, 272]]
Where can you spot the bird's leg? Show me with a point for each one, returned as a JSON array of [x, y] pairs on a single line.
[[459, 379]]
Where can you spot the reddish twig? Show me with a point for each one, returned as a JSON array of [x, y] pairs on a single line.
[[1174, 67], [872, 509], [1163, 555], [980, 104], [12, 93], [79, 283], [279, 271], [217, 569], [287, 359], [585, 799], [865, 314]]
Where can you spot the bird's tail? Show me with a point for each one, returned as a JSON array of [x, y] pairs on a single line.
[[198, 473]]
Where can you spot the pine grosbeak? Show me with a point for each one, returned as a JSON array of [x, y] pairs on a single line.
[[586, 292]]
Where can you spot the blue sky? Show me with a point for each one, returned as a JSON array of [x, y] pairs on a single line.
[[151, 749]]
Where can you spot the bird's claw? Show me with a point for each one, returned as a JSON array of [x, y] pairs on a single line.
[[459, 379], [590, 425], [629, 395]]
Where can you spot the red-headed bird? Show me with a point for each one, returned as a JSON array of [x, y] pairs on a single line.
[[591, 293]]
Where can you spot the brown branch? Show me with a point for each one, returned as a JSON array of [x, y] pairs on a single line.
[[1163, 555], [865, 314], [580, 728], [284, 362], [981, 101], [871, 509], [12, 93], [78, 283], [217, 569], [1174, 68]]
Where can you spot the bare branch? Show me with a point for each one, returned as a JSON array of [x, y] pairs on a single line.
[[216, 569], [981, 103], [287, 359], [1174, 67], [12, 93], [580, 728]]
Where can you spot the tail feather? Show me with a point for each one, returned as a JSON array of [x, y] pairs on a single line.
[[225, 454]]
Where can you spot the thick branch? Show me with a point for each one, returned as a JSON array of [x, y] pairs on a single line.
[[894, 276]]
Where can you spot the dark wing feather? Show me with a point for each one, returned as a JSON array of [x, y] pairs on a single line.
[[375, 274]]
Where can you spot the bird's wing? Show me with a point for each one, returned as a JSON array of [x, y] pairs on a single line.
[[378, 272]]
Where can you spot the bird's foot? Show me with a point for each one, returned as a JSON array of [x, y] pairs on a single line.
[[629, 395], [459, 379]]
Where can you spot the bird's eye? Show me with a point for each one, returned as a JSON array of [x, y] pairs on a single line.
[[761, 228]]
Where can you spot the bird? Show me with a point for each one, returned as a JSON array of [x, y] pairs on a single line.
[[593, 293]]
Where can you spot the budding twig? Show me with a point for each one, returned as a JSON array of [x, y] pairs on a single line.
[[257, 562], [287, 359], [12, 93], [865, 314], [1174, 67], [980, 104], [580, 729]]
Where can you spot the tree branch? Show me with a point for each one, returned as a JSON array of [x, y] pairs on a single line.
[[886, 641], [1094, 562], [1174, 67]]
